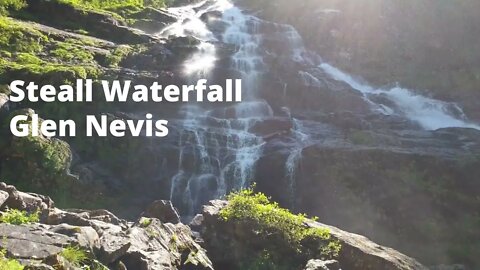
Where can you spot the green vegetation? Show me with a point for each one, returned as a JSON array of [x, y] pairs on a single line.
[[115, 4], [9, 264], [17, 217], [69, 52], [74, 255], [145, 222], [21, 45], [116, 57], [35, 163], [280, 226], [6, 5]]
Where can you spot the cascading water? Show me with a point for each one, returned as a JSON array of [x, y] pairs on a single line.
[[217, 150], [429, 113], [217, 153]]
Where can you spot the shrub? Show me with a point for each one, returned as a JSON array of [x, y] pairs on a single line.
[[74, 255], [6, 5], [17, 217], [286, 232]]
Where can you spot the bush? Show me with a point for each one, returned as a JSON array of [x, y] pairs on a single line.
[[17, 217], [6, 5], [74, 255], [271, 221]]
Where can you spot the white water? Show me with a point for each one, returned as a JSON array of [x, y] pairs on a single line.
[[431, 114], [226, 152], [216, 145]]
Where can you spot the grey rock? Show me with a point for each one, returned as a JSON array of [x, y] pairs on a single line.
[[322, 265], [163, 210], [31, 242], [357, 252], [3, 197], [111, 247], [25, 201]]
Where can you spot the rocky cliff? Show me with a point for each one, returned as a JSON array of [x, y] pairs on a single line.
[[38, 235]]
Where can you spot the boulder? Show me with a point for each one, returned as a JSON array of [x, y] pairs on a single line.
[[24, 201], [357, 252], [31, 242], [163, 210], [3, 197], [322, 265]]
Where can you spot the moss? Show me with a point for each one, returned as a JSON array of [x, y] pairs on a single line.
[[37, 163], [116, 57], [16, 37], [70, 52], [278, 224]]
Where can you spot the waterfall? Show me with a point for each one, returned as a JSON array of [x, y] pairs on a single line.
[[217, 152], [431, 114]]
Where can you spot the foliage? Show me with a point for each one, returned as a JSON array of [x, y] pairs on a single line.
[[17, 217], [74, 255], [9, 264], [145, 222], [115, 4], [116, 57], [6, 5], [269, 220], [36, 163]]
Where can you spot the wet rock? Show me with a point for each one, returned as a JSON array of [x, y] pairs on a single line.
[[271, 126], [163, 210], [151, 19]]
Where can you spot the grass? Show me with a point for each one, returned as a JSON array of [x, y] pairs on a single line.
[[74, 255], [269, 220], [17, 217], [9, 264]]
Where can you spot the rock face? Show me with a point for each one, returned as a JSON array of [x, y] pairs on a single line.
[[420, 45], [321, 265], [148, 244], [100, 24], [357, 252], [162, 210]]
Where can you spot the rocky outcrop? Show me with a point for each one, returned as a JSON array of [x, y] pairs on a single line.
[[99, 24], [162, 210], [147, 244], [357, 252]]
